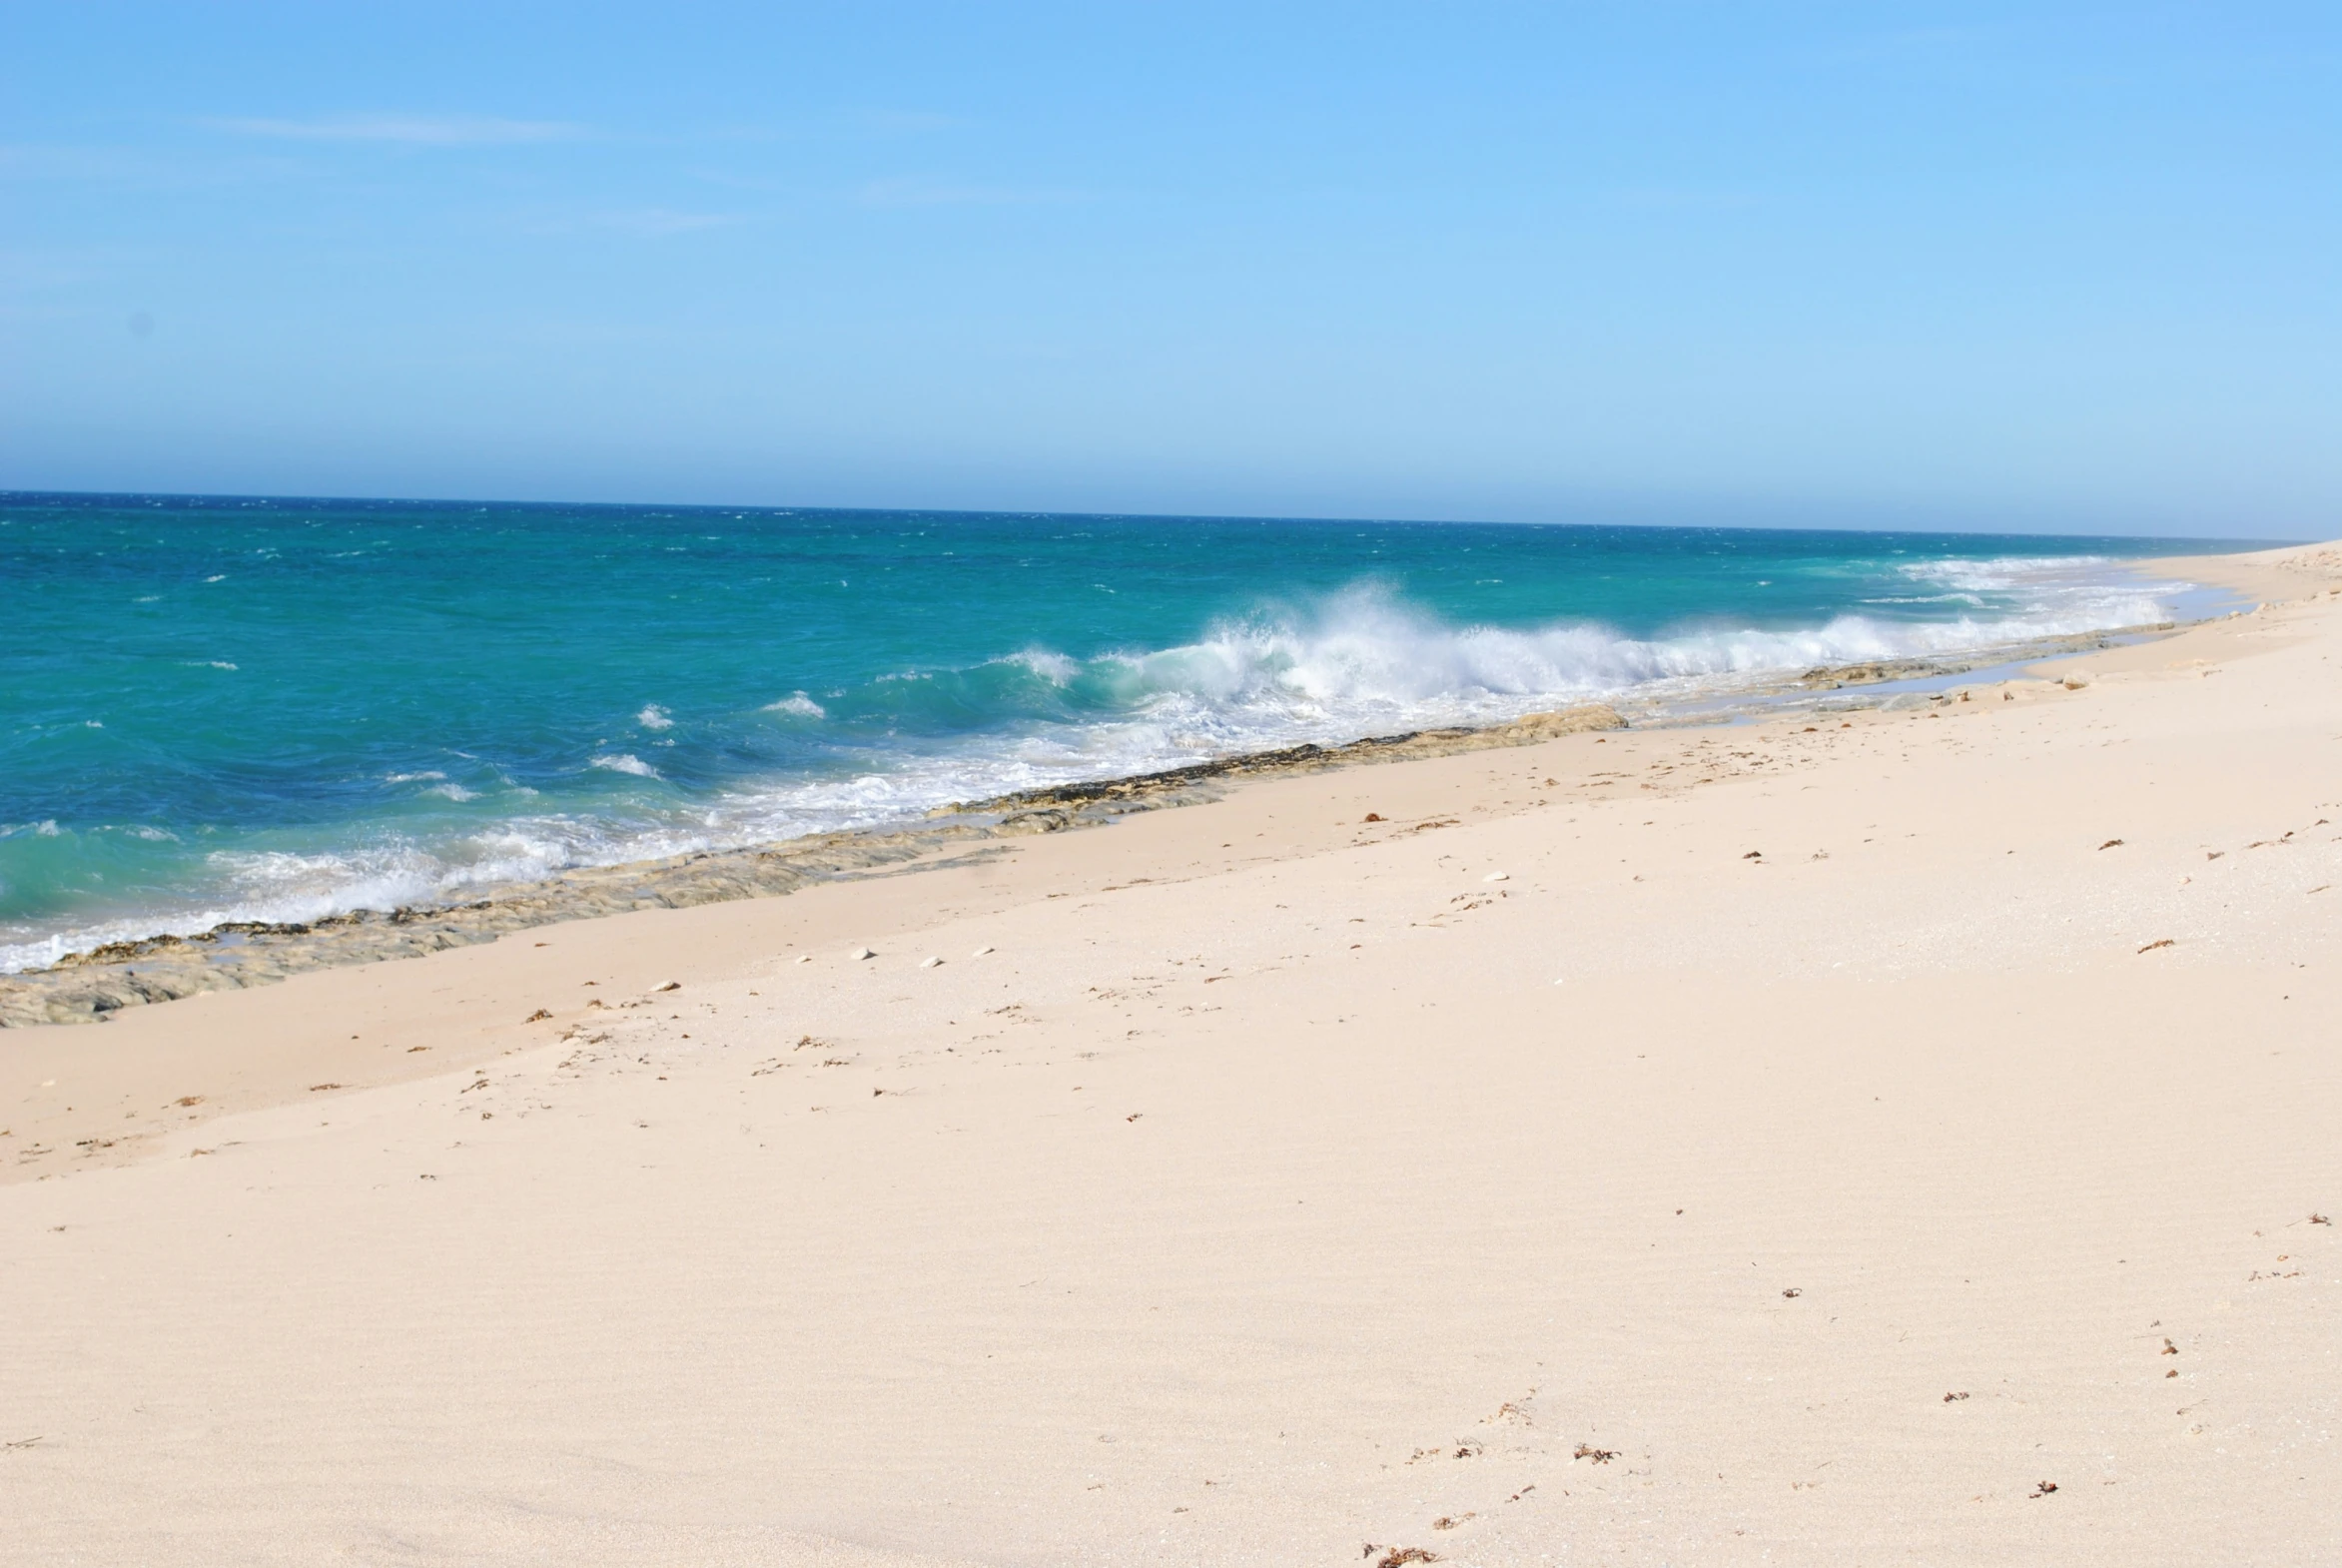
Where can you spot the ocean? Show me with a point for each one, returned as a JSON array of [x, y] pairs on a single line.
[[221, 709]]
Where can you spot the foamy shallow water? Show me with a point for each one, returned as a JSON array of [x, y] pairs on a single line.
[[277, 710]]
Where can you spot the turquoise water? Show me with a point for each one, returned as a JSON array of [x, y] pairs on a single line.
[[272, 709]]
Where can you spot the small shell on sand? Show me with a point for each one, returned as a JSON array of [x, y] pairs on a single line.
[[864, 953], [804, 958], [980, 952], [929, 962], [1498, 876]]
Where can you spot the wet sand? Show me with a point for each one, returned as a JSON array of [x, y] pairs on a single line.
[[93, 986], [1892, 1136]]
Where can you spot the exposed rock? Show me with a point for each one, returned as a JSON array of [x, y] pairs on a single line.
[[84, 988], [1163, 788]]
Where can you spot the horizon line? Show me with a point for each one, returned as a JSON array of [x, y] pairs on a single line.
[[11, 494]]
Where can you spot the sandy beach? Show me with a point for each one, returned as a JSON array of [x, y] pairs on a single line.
[[1872, 1137]]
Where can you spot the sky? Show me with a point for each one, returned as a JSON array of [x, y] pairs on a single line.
[[2037, 267]]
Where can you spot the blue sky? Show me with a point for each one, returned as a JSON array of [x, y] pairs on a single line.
[[2032, 266]]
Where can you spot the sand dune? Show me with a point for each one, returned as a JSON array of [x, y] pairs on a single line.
[[1849, 1137]]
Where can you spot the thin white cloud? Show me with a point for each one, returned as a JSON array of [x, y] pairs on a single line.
[[409, 130], [915, 192]]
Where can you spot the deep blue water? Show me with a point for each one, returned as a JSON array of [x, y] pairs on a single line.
[[274, 708]]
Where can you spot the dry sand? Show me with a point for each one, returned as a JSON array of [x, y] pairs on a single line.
[[1889, 1140]]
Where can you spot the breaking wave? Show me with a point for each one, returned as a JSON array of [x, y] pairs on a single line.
[[1357, 662]]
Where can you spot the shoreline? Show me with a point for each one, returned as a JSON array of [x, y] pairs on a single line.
[[214, 920], [93, 985], [1899, 1133]]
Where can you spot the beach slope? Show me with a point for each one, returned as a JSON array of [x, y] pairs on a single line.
[[1855, 1135]]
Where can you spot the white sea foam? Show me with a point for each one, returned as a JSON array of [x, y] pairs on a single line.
[[284, 887], [654, 718], [1356, 664], [1055, 668], [1363, 659]]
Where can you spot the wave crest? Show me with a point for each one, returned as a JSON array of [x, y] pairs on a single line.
[[624, 762], [1358, 662], [1365, 653]]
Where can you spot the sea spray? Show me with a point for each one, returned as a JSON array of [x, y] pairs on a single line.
[[281, 709]]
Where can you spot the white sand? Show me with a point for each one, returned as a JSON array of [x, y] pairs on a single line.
[[1279, 1184]]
